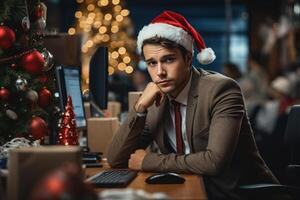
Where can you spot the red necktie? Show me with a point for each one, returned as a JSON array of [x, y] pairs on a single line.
[[179, 141]]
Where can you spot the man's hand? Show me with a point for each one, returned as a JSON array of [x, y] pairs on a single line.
[[136, 159], [151, 94]]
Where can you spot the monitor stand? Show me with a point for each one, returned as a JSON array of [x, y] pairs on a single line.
[[95, 110]]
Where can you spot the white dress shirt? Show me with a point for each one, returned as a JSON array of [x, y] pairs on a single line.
[[181, 98]]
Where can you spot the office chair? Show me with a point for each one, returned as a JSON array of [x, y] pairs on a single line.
[[270, 192], [292, 134], [291, 187], [292, 140]]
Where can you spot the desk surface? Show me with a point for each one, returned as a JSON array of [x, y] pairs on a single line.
[[192, 188]]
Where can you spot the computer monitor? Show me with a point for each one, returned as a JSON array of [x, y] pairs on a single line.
[[98, 79], [68, 81]]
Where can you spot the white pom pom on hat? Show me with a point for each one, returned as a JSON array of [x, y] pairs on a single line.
[[175, 27]]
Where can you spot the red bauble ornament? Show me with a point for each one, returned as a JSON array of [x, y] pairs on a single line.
[[7, 37], [38, 128], [39, 11], [13, 66], [4, 93], [44, 97], [33, 62]]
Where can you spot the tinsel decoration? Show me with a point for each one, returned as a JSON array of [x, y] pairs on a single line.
[[68, 134], [15, 143]]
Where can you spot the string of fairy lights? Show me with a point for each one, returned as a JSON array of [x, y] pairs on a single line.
[[105, 22]]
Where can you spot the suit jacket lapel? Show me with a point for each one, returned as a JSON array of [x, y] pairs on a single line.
[[192, 104]]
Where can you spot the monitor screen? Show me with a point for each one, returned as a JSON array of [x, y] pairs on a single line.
[[98, 77], [69, 85]]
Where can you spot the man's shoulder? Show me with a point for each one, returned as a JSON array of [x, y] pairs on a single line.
[[210, 77]]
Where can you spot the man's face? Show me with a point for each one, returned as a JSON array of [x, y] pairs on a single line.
[[167, 68]]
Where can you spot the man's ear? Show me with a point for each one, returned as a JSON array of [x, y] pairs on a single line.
[[189, 58]]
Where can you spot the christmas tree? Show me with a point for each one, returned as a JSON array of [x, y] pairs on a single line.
[[106, 23], [27, 105], [68, 134]]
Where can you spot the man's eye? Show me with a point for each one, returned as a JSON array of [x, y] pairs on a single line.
[[169, 60], [151, 64]]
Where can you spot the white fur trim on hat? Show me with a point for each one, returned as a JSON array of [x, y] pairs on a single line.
[[206, 56], [167, 31]]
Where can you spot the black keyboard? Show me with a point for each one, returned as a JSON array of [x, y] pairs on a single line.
[[113, 178]]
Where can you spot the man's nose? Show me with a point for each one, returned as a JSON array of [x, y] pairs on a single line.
[[160, 70]]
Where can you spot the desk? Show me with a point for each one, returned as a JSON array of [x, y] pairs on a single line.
[[192, 188]]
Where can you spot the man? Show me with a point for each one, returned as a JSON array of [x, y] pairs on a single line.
[[196, 118]]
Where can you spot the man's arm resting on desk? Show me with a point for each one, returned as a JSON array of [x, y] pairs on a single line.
[[227, 114], [209, 162], [131, 136]]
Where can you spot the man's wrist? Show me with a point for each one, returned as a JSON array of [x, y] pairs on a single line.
[[140, 113], [139, 108]]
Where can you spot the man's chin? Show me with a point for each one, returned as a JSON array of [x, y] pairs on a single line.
[[167, 90]]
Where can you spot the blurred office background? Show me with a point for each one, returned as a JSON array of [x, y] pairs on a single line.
[[256, 42]]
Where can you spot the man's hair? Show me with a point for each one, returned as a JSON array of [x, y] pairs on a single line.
[[164, 43]]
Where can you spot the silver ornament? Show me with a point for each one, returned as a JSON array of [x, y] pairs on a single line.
[[21, 84], [40, 24], [11, 114], [32, 96], [26, 23], [48, 57]]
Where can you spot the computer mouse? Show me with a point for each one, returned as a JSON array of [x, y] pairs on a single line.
[[165, 178]]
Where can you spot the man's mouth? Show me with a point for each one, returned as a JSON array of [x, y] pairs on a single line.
[[162, 81]]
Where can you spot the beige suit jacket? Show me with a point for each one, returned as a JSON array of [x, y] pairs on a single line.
[[221, 140]]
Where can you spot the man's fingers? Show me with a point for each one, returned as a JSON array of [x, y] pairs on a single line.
[[129, 163], [139, 150], [158, 99], [163, 96]]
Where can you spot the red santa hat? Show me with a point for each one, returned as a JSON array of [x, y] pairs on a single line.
[[175, 27]]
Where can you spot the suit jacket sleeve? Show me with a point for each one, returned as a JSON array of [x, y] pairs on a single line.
[[226, 111], [133, 134]]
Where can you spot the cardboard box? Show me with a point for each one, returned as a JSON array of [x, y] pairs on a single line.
[[114, 108], [29, 165], [133, 96], [100, 132]]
